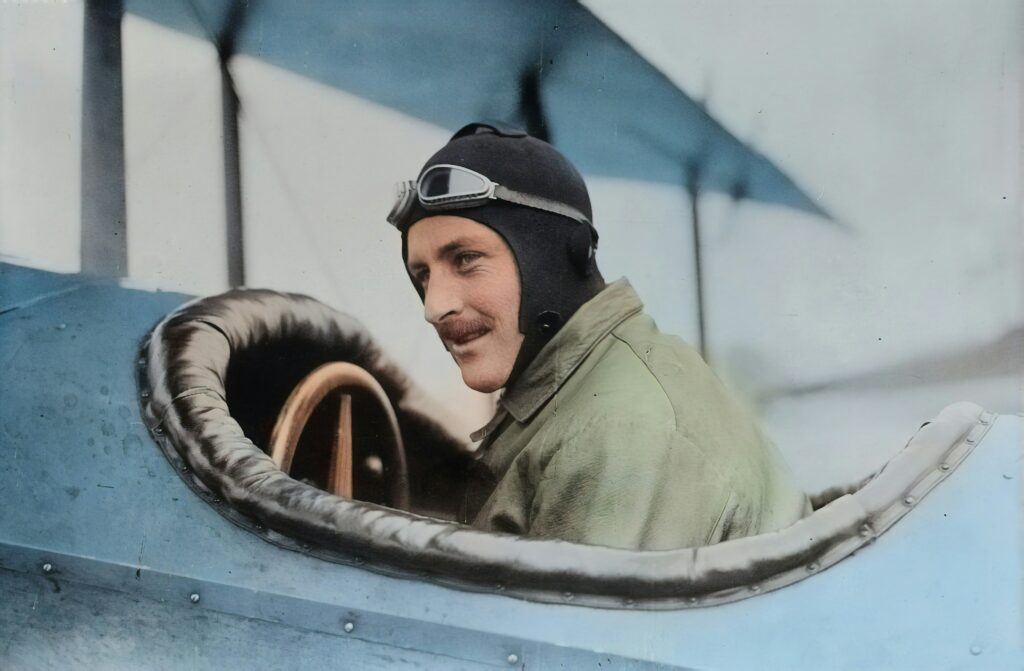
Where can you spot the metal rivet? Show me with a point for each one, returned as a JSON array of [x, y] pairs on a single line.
[[567, 596], [184, 468], [812, 567], [259, 527], [47, 567], [349, 627], [158, 431], [215, 500], [194, 597], [513, 658], [755, 588], [865, 530], [144, 394], [970, 441], [944, 467], [630, 602], [692, 600], [61, 327], [975, 649], [499, 586], [359, 561], [909, 500], [985, 420]]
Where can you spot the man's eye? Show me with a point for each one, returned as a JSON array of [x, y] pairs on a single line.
[[464, 259], [421, 277]]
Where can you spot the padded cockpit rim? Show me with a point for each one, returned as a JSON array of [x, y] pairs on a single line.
[[189, 419]]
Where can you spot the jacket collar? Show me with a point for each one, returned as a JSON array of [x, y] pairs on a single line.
[[555, 363]]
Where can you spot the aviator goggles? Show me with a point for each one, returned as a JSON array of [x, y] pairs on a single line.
[[452, 187]]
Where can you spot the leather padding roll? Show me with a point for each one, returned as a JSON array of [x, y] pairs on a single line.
[[189, 388]]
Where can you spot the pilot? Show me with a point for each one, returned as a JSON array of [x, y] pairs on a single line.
[[607, 431]]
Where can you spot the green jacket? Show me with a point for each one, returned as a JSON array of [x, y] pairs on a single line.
[[619, 435]]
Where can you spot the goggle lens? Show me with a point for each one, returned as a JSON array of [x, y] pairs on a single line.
[[445, 182]]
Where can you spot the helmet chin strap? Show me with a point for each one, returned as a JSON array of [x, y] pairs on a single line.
[[546, 306]]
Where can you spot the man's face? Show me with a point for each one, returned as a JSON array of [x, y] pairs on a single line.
[[471, 292]]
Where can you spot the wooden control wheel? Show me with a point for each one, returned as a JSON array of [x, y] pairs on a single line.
[[300, 405]]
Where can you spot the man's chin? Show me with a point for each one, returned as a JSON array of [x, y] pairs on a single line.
[[481, 381]]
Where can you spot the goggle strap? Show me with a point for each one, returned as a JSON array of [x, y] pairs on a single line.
[[540, 203]]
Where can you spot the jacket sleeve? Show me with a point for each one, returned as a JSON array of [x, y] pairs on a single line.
[[623, 482]]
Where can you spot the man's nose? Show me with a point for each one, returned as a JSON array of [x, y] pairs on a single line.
[[441, 299]]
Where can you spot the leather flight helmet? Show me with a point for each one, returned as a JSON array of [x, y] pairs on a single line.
[[555, 254]]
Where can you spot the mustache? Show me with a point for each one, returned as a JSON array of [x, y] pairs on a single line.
[[455, 331]]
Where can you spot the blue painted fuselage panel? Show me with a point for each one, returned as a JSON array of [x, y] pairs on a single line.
[[84, 488]]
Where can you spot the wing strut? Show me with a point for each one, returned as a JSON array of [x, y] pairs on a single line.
[[104, 237]]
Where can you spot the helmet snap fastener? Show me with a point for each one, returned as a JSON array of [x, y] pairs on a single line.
[[548, 322]]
